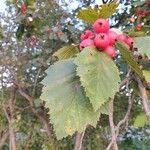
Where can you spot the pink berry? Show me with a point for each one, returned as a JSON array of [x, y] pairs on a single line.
[[122, 38], [86, 43], [110, 51], [101, 40], [112, 37], [87, 34], [101, 26], [129, 41]]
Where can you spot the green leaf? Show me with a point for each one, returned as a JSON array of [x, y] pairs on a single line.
[[146, 74], [140, 120], [68, 51], [98, 75], [143, 45], [104, 109], [69, 108], [37, 23], [127, 55], [13, 1], [90, 15], [20, 31], [30, 2]]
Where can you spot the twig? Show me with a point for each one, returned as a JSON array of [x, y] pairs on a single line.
[[126, 81], [40, 116], [3, 138], [144, 97], [123, 121], [9, 113], [35, 82], [112, 126], [79, 140], [126, 117]]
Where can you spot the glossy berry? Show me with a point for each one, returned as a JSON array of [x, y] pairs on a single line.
[[23, 9], [101, 26], [130, 42], [86, 43], [87, 35], [101, 40], [112, 37], [110, 51], [122, 37]]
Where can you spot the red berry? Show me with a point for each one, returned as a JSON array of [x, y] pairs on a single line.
[[101, 26], [132, 20], [139, 27], [112, 37], [101, 40], [48, 30], [110, 51], [87, 34], [86, 43], [23, 8], [122, 37], [129, 42], [148, 2]]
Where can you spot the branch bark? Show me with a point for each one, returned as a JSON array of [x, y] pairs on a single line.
[[4, 138], [123, 121], [113, 144], [40, 116], [10, 115], [126, 117], [79, 141], [144, 97]]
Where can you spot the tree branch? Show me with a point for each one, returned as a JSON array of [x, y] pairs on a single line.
[[10, 115], [79, 141], [123, 121], [126, 117], [144, 97], [3, 138], [40, 116], [113, 143]]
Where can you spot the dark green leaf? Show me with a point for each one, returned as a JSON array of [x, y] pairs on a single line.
[[20, 31], [127, 56]]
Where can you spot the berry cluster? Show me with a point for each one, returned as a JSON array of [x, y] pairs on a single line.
[[103, 38]]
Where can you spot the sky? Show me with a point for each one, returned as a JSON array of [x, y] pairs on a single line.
[[74, 4], [2, 5]]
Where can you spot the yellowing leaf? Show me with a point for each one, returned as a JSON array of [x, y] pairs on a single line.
[[66, 52], [90, 15], [140, 120], [146, 74]]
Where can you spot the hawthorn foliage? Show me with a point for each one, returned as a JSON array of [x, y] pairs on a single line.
[[55, 97]]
